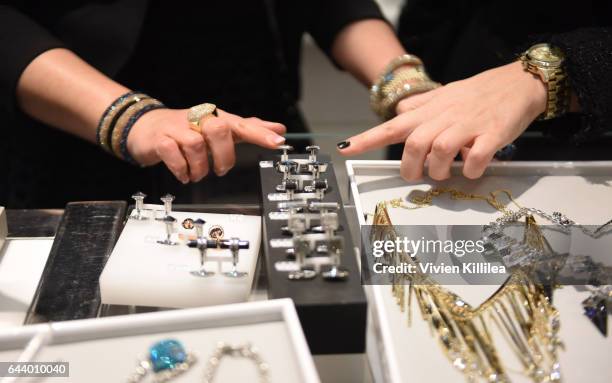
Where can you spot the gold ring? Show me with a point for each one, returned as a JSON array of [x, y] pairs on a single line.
[[200, 113]]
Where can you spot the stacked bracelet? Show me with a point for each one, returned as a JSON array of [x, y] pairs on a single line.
[[404, 76], [389, 103], [123, 152], [119, 118], [111, 114]]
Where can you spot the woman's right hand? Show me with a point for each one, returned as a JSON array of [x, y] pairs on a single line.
[[475, 117], [165, 135]]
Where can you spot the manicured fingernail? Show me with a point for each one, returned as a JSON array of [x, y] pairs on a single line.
[[276, 140], [185, 180], [343, 144]]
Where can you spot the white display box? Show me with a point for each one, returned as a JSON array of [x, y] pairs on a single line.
[[106, 349], [582, 190], [142, 272]]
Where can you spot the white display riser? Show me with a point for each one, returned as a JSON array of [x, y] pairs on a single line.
[[142, 272]]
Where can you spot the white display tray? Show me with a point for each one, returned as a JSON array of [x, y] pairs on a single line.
[[582, 190], [142, 272], [106, 349]]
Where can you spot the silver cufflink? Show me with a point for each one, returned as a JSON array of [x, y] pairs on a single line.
[[169, 221], [167, 200], [139, 206]]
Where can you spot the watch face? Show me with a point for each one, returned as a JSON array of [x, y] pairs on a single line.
[[546, 54]]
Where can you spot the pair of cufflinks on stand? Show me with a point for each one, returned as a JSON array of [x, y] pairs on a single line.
[[300, 175], [201, 242], [310, 240], [141, 211]]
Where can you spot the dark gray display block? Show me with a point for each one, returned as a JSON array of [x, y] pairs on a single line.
[[332, 313]]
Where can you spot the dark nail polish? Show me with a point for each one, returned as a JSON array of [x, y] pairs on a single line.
[[343, 144]]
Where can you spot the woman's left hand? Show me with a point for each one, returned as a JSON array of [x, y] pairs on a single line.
[[476, 116]]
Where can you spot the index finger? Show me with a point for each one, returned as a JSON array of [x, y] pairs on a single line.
[[390, 132], [257, 134], [276, 127]]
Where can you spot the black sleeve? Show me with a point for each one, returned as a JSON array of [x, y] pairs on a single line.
[[589, 66], [21, 41], [326, 18]]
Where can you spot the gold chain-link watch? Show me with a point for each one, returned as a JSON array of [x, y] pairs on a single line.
[[547, 62]]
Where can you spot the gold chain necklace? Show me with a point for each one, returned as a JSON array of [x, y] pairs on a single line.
[[520, 309], [427, 199]]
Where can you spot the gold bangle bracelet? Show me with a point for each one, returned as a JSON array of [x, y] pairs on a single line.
[[406, 76], [386, 109], [396, 83], [388, 74], [403, 76], [400, 61]]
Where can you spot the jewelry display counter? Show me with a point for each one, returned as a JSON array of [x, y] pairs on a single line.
[[402, 349], [104, 260]]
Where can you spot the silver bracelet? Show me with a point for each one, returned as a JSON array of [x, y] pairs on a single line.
[[563, 221], [557, 218], [517, 253], [245, 350]]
